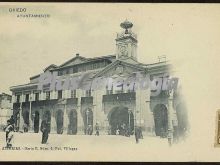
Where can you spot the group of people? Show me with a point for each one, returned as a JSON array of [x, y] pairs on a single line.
[[123, 130], [126, 131], [89, 129], [45, 129]]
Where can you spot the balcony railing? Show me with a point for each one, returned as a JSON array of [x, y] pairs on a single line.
[[119, 97], [85, 100]]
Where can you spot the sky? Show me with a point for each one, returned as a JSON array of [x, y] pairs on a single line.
[[188, 34]]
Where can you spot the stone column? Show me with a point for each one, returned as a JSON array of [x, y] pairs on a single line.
[[30, 114], [40, 118], [146, 114], [170, 124], [99, 113], [80, 124], [94, 108], [21, 119], [53, 122], [137, 108], [65, 119]]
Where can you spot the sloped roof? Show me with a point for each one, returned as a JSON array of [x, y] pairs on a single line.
[[81, 60], [75, 60], [52, 66]]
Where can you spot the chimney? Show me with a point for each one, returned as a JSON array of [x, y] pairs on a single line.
[[77, 54]]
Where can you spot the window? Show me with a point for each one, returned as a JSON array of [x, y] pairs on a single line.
[[75, 69], [18, 98], [60, 73], [73, 94], [36, 96], [98, 65], [67, 71], [88, 93], [60, 94], [26, 97], [95, 66], [47, 95], [109, 92]]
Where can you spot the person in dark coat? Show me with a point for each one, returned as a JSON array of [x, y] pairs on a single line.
[[45, 128], [25, 127], [97, 129], [137, 134], [141, 134], [10, 136], [6, 129]]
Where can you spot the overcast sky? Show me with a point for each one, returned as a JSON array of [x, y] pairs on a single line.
[[189, 36]]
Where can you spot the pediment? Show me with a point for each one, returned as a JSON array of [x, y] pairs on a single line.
[[119, 68], [74, 61]]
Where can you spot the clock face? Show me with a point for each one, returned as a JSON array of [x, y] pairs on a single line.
[[123, 50]]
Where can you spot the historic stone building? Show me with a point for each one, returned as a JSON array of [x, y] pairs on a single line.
[[72, 111]]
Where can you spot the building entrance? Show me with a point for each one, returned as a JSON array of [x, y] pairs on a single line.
[[161, 120], [121, 121]]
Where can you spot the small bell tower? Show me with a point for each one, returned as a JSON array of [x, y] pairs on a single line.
[[126, 42]]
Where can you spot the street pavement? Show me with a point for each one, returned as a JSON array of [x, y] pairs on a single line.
[[34, 139], [88, 148]]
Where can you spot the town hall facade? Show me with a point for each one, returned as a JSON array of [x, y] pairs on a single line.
[[72, 111]]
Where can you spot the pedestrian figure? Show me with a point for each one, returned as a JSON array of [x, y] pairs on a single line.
[[12, 121], [126, 131], [117, 131], [90, 129], [6, 129], [109, 130], [96, 129], [137, 133], [141, 135], [122, 131], [25, 127], [10, 136], [45, 128]]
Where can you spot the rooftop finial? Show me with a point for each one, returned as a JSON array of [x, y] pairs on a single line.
[[126, 25]]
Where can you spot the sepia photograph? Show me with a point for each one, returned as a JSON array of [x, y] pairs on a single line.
[[109, 82]]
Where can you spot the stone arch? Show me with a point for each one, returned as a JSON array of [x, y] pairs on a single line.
[[88, 120], [122, 119], [59, 121], [36, 121], [160, 113], [72, 127]]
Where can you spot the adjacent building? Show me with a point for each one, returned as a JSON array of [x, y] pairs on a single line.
[[5, 109]]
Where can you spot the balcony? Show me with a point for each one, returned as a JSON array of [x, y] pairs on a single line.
[[72, 101], [88, 100], [119, 97], [161, 95], [44, 102]]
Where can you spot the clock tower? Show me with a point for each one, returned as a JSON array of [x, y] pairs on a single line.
[[126, 42]]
